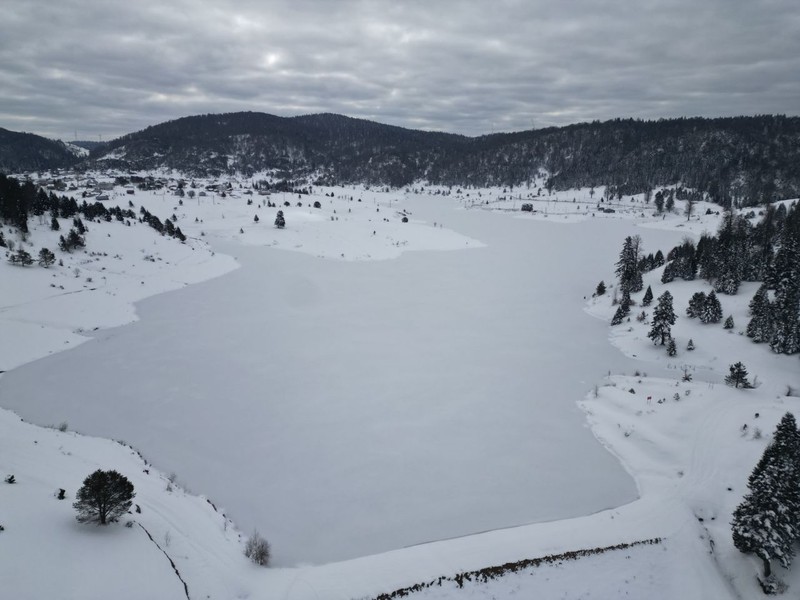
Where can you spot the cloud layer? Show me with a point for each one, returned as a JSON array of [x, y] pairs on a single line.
[[473, 67]]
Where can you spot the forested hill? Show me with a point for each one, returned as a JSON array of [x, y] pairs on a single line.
[[745, 159], [28, 152], [742, 158]]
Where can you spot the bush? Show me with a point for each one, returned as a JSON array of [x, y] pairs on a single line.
[[257, 549]]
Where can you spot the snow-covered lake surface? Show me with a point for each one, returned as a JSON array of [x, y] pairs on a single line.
[[348, 408]]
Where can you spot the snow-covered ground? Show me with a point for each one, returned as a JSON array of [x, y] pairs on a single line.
[[349, 407]]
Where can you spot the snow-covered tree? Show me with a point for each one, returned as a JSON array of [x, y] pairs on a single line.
[[696, 304], [712, 309], [785, 309], [663, 319], [738, 376], [648, 296], [760, 326], [630, 277], [280, 222], [257, 549], [767, 522]]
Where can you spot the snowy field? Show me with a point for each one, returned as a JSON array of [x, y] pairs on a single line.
[[353, 406]]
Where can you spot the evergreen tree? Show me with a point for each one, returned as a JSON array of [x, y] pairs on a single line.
[[54, 225], [625, 303], [690, 345], [731, 252], [658, 259], [785, 310], [672, 349], [738, 376], [712, 309], [619, 316], [46, 257], [74, 239], [659, 201], [696, 304], [767, 522], [280, 222], [728, 323], [663, 319], [760, 326], [21, 258], [601, 289], [630, 277], [648, 297], [670, 203], [104, 497], [668, 275]]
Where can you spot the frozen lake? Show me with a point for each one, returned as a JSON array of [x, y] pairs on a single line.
[[349, 408]]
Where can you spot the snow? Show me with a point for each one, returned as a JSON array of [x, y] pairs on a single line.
[[466, 418]]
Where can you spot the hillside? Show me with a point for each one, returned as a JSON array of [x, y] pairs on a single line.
[[745, 159], [20, 152]]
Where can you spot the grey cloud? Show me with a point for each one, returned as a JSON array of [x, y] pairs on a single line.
[[466, 67]]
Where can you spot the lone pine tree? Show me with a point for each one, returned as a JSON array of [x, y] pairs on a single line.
[[738, 376], [663, 319], [104, 497]]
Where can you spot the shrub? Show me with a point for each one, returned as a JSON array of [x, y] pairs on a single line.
[[257, 549]]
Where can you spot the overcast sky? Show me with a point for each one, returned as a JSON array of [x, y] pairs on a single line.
[[106, 67]]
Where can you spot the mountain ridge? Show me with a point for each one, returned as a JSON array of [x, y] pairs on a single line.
[[747, 160]]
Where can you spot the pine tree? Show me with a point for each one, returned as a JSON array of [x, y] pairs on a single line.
[[767, 522], [104, 497], [46, 257], [280, 222], [690, 345], [601, 289], [738, 376], [672, 349], [696, 304], [619, 316], [648, 297], [659, 201], [785, 310], [54, 225], [712, 309], [760, 326], [728, 323], [658, 259], [625, 303], [630, 277], [663, 319]]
